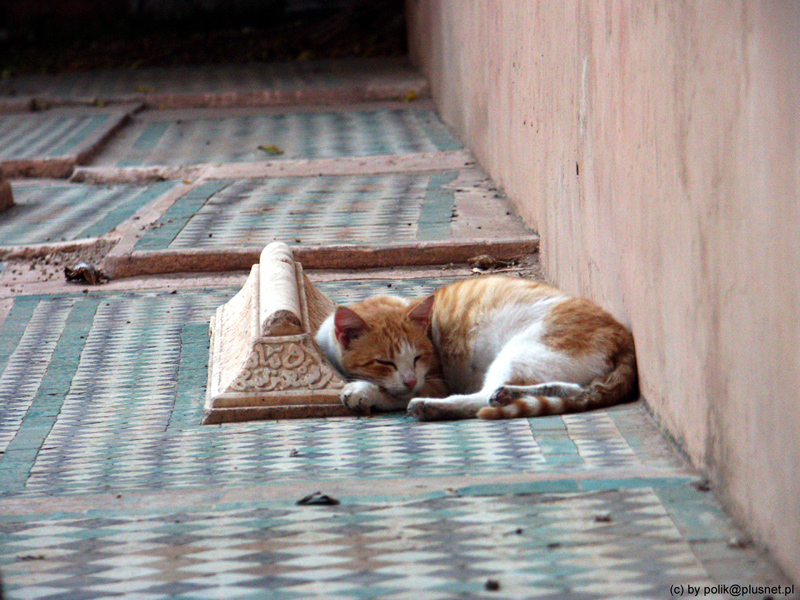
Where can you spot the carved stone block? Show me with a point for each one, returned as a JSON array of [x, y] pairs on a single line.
[[264, 362]]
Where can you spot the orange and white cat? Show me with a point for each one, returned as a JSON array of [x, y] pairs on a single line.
[[493, 347]]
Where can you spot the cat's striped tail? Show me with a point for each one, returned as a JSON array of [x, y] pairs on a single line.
[[619, 385]]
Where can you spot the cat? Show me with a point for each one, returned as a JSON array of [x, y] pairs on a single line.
[[491, 347]]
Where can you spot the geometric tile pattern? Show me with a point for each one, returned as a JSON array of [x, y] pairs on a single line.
[[311, 210], [94, 457], [619, 543], [47, 135], [123, 409], [27, 350], [59, 211], [356, 290], [598, 440], [103, 393], [236, 138]]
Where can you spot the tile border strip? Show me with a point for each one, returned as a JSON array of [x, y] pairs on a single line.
[[411, 254], [446, 160], [17, 507]]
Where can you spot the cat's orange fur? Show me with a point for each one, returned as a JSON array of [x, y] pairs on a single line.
[[499, 346]]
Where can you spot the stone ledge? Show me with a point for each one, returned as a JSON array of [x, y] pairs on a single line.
[[154, 262], [446, 160]]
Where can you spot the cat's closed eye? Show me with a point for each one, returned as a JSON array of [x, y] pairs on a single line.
[[386, 363]]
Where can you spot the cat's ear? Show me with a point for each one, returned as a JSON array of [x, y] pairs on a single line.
[[347, 325], [422, 312]]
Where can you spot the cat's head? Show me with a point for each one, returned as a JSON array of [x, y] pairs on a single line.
[[384, 340]]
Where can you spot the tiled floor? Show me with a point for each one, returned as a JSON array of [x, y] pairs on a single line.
[[551, 545], [308, 210], [50, 134], [101, 398], [53, 211], [50, 142], [109, 485], [331, 208], [216, 136]]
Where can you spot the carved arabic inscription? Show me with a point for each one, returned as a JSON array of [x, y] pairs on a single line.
[[285, 363]]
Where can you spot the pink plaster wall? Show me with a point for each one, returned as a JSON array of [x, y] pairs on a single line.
[[654, 147]]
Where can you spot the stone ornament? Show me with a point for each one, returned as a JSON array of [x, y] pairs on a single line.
[[264, 362]]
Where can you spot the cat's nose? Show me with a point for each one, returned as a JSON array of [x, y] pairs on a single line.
[[410, 382]]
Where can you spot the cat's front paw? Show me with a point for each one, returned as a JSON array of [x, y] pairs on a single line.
[[420, 408], [361, 396], [364, 397]]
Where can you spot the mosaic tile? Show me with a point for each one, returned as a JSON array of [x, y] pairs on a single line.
[[26, 366], [544, 545], [309, 210], [101, 396], [350, 292], [58, 211], [123, 409], [49, 134], [198, 139], [598, 440], [121, 413]]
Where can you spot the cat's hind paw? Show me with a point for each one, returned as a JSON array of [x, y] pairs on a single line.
[[503, 396], [504, 403]]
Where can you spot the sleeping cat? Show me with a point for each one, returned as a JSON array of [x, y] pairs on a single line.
[[493, 347]]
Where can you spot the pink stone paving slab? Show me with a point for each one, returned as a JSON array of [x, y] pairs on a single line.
[[340, 165], [117, 265]]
